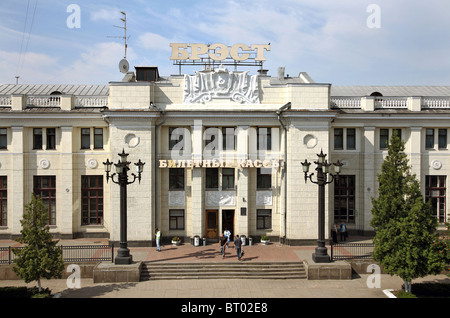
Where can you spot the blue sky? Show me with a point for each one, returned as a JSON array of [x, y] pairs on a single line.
[[329, 39]]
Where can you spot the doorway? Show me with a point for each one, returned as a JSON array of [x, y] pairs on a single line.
[[228, 221], [212, 226]]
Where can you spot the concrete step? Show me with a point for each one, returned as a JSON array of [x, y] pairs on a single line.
[[223, 270]]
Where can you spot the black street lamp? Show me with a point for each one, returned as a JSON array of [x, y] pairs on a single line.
[[320, 255], [122, 167]]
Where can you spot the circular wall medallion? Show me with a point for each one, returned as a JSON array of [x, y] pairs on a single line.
[[44, 163], [92, 163], [132, 140], [310, 141], [436, 164]]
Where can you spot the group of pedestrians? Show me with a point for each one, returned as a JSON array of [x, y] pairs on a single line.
[[340, 230], [224, 243]]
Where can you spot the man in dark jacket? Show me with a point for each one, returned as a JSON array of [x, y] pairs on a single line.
[[222, 244], [238, 246]]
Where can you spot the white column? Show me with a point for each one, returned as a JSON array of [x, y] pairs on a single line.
[[16, 196]]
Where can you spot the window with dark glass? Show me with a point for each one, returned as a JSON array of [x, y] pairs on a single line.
[[37, 138], [398, 132], [384, 138], [351, 138], [429, 138], [3, 201], [435, 193], [227, 178], [263, 178], [263, 219], [344, 199], [212, 178], [176, 179], [228, 138], [338, 138], [85, 138], [176, 219], [51, 138], [3, 138], [175, 136], [98, 138], [91, 200], [442, 140], [45, 188], [264, 141]]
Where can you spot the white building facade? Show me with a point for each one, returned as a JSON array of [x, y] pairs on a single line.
[[223, 149]]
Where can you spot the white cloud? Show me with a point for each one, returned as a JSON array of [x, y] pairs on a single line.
[[36, 66]]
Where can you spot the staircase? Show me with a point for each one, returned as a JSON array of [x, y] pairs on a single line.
[[223, 270]]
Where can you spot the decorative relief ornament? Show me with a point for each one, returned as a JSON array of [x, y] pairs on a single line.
[[436, 164], [92, 163], [205, 86], [310, 141], [44, 163], [132, 140]]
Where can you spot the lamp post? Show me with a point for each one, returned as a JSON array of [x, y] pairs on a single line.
[[322, 168], [122, 167]]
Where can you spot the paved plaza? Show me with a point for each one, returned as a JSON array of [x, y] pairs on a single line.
[[357, 287]]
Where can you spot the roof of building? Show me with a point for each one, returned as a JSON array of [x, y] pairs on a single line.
[[47, 89], [103, 90], [390, 90]]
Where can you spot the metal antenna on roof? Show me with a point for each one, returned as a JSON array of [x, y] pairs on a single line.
[[123, 65]]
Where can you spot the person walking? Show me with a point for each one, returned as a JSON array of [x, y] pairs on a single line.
[[223, 245], [343, 231], [158, 240], [334, 232], [227, 234], [238, 246]]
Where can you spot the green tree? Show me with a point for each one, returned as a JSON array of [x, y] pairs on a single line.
[[404, 224], [39, 257]]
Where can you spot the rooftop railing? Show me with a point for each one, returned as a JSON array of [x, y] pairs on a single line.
[[369, 103]]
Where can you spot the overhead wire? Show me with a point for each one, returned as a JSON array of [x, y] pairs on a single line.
[[22, 55]]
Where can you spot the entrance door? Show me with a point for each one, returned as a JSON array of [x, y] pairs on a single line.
[[228, 221], [212, 226]]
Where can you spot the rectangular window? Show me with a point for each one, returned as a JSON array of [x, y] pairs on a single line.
[[398, 132], [351, 138], [263, 178], [3, 201], [37, 138], [176, 179], [228, 138], [51, 138], [344, 199], [45, 188], [3, 138], [264, 141], [176, 219], [384, 138], [442, 140], [85, 138], [338, 138], [429, 138], [91, 200], [263, 219], [212, 178], [227, 178], [435, 192], [98, 138]]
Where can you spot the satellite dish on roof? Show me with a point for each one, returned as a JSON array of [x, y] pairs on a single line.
[[124, 66]]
